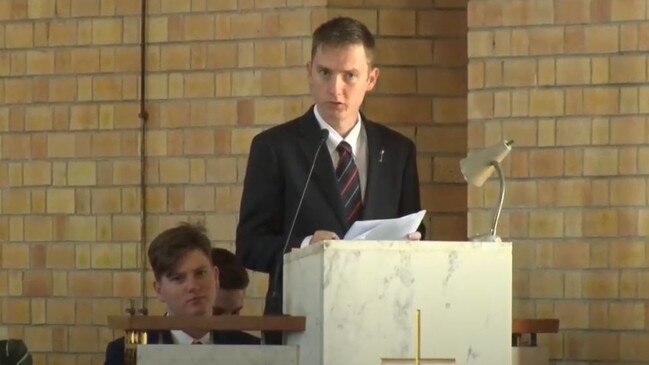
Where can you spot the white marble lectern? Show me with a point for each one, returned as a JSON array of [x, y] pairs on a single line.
[[360, 300]]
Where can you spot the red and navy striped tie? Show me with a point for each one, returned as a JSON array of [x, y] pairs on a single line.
[[349, 184]]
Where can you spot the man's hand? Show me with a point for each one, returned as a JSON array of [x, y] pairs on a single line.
[[323, 236], [414, 236]]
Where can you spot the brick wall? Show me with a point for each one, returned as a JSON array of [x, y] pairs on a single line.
[[567, 81], [220, 71]]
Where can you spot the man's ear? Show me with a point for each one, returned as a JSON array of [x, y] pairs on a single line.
[[216, 277], [373, 78], [309, 69], [157, 289]]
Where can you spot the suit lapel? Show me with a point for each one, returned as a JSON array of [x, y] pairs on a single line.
[[375, 151], [323, 173]]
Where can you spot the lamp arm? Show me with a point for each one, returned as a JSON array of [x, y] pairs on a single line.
[[501, 201]]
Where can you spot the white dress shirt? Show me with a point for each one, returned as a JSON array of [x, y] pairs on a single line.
[[181, 338], [357, 139]]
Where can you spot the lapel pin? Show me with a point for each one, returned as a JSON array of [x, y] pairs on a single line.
[[381, 156]]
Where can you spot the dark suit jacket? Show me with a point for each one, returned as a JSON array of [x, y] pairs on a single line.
[[115, 349], [278, 165]]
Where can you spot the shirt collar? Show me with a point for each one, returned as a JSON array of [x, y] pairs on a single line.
[[334, 138], [181, 338]]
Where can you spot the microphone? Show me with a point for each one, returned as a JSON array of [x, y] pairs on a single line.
[[275, 305]]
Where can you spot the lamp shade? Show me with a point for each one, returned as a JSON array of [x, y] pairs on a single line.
[[477, 166]]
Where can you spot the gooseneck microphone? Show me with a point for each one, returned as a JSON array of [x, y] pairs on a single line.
[[275, 305]]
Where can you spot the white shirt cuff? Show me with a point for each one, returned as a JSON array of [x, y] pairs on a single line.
[[305, 241]]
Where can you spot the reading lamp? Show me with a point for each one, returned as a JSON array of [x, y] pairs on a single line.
[[477, 167]]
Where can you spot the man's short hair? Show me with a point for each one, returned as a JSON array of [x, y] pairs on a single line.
[[342, 32], [169, 247], [232, 274]]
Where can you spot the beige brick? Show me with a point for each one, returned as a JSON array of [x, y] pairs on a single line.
[[628, 130], [573, 71], [404, 52], [480, 105], [602, 39], [75, 228], [546, 284], [199, 27], [523, 132], [629, 37], [397, 22], [174, 57], [572, 12], [37, 173], [21, 91], [573, 132], [600, 223], [60, 311], [628, 10], [546, 224], [15, 311], [126, 285], [546, 102], [629, 284], [631, 348], [16, 201], [83, 339], [19, 35], [601, 101], [600, 161], [38, 228], [40, 62], [38, 118], [82, 173], [547, 133], [441, 82], [573, 193], [545, 41], [199, 85], [546, 163], [106, 31], [592, 345], [442, 22], [90, 284], [629, 103], [105, 256], [572, 314], [60, 256], [628, 69], [15, 256], [628, 191], [246, 83], [627, 255], [600, 190], [126, 228], [174, 171], [106, 201], [600, 284], [107, 88]]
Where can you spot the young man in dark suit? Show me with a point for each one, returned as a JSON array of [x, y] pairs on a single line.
[[186, 281], [363, 170]]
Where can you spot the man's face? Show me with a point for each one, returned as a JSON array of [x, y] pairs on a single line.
[[189, 290], [228, 301], [339, 79]]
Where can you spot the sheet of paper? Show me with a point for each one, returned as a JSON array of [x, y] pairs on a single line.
[[385, 229]]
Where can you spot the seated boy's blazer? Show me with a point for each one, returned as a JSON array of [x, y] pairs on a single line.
[[115, 349]]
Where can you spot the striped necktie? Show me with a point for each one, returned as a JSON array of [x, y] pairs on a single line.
[[349, 184]]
